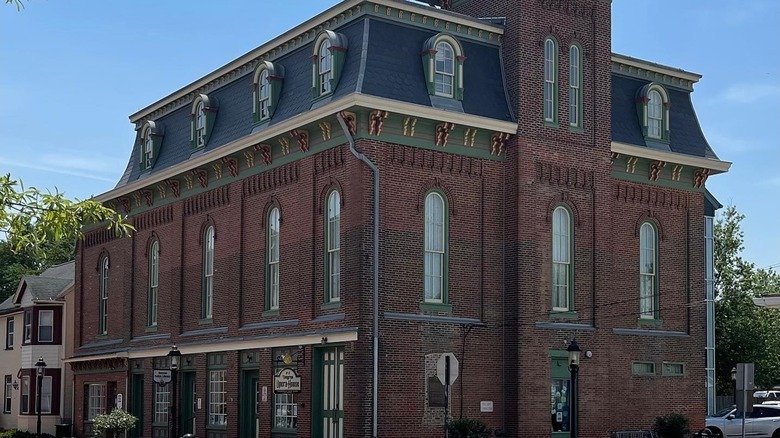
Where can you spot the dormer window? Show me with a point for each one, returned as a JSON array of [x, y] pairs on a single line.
[[267, 89], [329, 53], [151, 139], [653, 111], [204, 111], [443, 66]]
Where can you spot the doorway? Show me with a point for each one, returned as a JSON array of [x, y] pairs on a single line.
[[249, 404], [188, 402], [329, 395]]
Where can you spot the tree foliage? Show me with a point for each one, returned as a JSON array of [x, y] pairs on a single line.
[[14, 264], [30, 217], [743, 331]]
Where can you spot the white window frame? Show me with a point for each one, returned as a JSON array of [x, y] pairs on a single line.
[[103, 299], [96, 401], [648, 268], [46, 394], [550, 79], [28, 326], [200, 124], [324, 67], [208, 273], [435, 248], [154, 282], [263, 95], [9, 333], [273, 259], [575, 84], [445, 55], [217, 398], [41, 325], [8, 394], [333, 245], [285, 411], [148, 147], [655, 114], [561, 259], [24, 394], [162, 401]]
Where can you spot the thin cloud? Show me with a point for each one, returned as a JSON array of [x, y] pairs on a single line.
[[76, 163], [55, 169], [725, 144], [749, 93]]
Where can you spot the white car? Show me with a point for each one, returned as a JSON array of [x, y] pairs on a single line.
[[763, 422]]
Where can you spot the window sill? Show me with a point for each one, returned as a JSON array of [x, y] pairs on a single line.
[[205, 321], [576, 128], [659, 140], [271, 312], [9, 348], [322, 96], [151, 329], [284, 431], [649, 321], [331, 305], [216, 427], [551, 124], [436, 307], [564, 314], [102, 336]]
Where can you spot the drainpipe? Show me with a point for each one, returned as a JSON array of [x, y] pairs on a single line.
[[375, 170]]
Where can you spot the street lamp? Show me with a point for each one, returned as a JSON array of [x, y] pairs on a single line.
[[574, 368], [734, 383], [41, 367], [174, 355]]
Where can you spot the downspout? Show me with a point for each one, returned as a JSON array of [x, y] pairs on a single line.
[[375, 170]]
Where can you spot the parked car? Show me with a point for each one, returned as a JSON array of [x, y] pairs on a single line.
[[763, 422], [766, 395], [772, 402]]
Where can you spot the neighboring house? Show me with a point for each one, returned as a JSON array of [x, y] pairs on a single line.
[[533, 187], [34, 326], [771, 301]]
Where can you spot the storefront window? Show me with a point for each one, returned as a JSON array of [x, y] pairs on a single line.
[[559, 397]]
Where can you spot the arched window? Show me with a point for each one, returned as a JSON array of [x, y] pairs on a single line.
[[200, 125], [325, 67], [148, 148], [263, 95], [154, 276], [648, 279], [208, 273], [445, 69], [103, 304], [561, 260], [575, 86], [435, 248], [333, 247], [653, 111], [654, 114], [550, 80], [204, 112], [272, 268]]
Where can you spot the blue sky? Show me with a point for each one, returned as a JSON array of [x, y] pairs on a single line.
[[72, 72]]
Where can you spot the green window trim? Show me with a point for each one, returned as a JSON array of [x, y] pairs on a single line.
[[643, 109], [152, 296], [149, 143], [326, 71], [272, 264], [207, 275], [103, 297], [673, 369], [268, 75], [550, 87], [575, 87], [204, 113], [642, 368], [569, 259], [654, 273], [437, 249], [429, 62], [332, 249]]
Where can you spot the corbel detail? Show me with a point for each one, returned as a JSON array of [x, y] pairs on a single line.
[[174, 185], [655, 169], [375, 122], [468, 137], [302, 137], [203, 177], [443, 133], [351, 120], [285, 142], [232, 165], [498, 142], [676, 171], [147, 194], [265, 152], [325, 129], [409, 124], [700, 177], [631, 164]]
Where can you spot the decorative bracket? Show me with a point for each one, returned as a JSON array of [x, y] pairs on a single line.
[[351, 120], [232, 165], [375, 122], [700, 177], [265, 152], [174, 185], [443, 133], [655, 169], [203, 177], [498, 142], [631, 164], [302, 137]]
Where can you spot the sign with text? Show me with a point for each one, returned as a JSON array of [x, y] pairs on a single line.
[[162, 377], [486, 406], [287, 380]]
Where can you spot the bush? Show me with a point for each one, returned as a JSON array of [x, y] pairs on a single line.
[[672, 426], [13, 433], [113, 424], [468, 428]]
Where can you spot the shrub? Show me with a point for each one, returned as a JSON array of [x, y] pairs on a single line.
[[468, 428], [672, 426], [113, 424]]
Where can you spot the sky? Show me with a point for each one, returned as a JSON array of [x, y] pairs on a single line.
[[72, 72]]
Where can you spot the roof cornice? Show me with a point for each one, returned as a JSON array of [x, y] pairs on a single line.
[[671, 157], [349, 101], [653, 71], [295, 37]]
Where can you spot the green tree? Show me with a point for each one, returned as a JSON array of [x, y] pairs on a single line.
[[743, 331], [30, 217], [14, 265]]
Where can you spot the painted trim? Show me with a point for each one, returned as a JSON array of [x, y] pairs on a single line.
[[671, 374], [672, 157], [647, 332], [564, 326], [349, 101], [657, 68], [432, 318], [643, 362]]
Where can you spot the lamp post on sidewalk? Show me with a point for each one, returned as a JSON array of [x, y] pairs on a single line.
[[574, 368], [734, 384], [41, 368], [174, 355]]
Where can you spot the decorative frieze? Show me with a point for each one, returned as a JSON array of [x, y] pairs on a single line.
[[572, 177]]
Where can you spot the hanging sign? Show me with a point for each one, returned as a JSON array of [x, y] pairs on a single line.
[[287, 380], [162, 377]]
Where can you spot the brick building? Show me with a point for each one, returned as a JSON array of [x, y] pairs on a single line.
[[320, 219]]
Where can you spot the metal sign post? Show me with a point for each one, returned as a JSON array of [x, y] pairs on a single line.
[[447, 372]]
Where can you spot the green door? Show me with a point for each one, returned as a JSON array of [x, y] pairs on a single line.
[[188, 403], [330, 393], [248, 404], [137, 404]]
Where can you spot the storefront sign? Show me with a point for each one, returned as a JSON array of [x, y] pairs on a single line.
[[287, 381]]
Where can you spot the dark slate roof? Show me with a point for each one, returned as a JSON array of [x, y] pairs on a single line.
[[7, 306], [393, 70], [51, 282], [685, 134]]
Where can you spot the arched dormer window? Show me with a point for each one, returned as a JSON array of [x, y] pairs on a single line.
[[653, 111], [330, 50], [267, 89], [150, 142], [550, 81], [204, 112], [443, 59]]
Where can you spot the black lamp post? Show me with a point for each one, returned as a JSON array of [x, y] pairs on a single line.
[[574, 368], [174, 355], [41, 368], [734, 384]]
